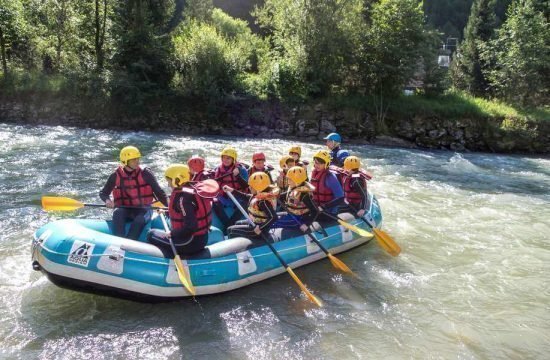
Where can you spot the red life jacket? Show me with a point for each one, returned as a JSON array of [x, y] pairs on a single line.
[[131, 189], [203, 210], [352, 196], [322, 194], [229, 179]]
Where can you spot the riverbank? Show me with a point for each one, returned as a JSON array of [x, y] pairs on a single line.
[[451, 122]]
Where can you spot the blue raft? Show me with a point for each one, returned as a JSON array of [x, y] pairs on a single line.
[[83, 255]]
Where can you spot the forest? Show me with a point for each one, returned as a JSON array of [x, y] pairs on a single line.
[[133, 53]]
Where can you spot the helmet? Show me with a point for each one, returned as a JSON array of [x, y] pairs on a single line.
[[284, 160], [297, 174], [323, 155], [352, 163], [196, 163], [295, 149], [334, 137], [178, 173], [259, 181], [258, 156], [129, 153], [229, 151]]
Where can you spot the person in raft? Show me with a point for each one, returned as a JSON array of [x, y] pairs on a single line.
[[285, 163], [261, 207], [355, 186], [337, 155], [296, 153], [299, 205], [258, 164], [234, 175], [197, 170], [328, 193], [190, 216], [134, 190]]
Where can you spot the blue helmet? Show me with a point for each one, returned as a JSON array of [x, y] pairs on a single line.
[[334, 137]]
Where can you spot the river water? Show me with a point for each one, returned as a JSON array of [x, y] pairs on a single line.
[[471, 281]]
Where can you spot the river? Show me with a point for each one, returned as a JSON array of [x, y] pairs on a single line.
[[472, 281]]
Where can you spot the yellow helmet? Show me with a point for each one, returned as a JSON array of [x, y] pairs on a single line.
[[259, 181], [178, 173], [284, 160], [297, 174], [129, 153], [295, 149], [352, 163], [323, 155], [229, 151]]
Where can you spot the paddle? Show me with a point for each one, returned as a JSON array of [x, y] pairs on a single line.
[[337, 263], [58, 203], [310, 296], [355, 229], [383, 239], [182, 274]]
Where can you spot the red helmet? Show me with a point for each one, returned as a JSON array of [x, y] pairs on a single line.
[[196, 163], [258, 156]]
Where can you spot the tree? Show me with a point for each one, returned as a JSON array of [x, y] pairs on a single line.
[[313, 43], [468, 69], [10, 26], [521, 55]]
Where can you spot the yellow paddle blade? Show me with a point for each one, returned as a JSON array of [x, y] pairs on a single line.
[[55, 203], [355, 229], [182, 274], [386, 242], [310, 296], [339, 264]]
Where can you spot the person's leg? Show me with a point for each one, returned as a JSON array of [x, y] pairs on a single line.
[[219, 210], [159, 239], [141, 218], [191, 245], [119, 221], [241, 230]]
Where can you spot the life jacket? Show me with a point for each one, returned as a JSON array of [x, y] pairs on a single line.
[[322, 193], [131, 189], [293, 202], [341, 173], [229, 179], [352, 196], [257, 215], [203, 175], [203, 210]]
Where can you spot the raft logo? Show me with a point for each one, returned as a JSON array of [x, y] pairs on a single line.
[[80, 253]]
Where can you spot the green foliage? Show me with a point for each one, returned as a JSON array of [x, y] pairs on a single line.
[[209, 64], [393, 45], [468, 68], [313, 44], [521, 55]]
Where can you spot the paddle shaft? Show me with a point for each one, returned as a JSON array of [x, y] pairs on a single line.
[[127, 207]]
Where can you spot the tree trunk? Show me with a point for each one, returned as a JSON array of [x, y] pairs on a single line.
[[3, 48]]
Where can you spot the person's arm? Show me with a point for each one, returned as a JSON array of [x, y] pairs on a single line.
[[331, 181], [105, 193], [242, 178], [185, 204], [149, 177], [309, 217], [270, 213]]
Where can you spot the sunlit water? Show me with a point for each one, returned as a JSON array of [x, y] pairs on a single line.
[[470, 283]]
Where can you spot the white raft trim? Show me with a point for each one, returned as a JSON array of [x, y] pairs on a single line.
[[178, 291]]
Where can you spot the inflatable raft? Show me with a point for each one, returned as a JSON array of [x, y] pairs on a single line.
[[82, 255]]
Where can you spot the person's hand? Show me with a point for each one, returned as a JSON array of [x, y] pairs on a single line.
[[169, 235], [320, 208], [361, 212], [227, 188], [236, 171], [257, 230], [110, 204], [303, 227]]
